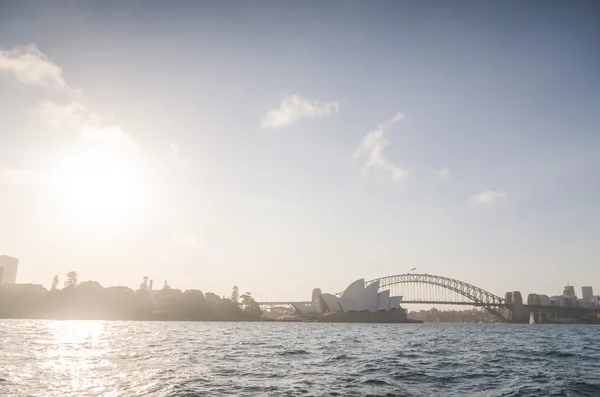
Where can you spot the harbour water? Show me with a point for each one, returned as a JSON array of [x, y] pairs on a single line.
[[95, 358]]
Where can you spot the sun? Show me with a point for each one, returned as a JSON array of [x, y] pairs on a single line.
[[97, 186]]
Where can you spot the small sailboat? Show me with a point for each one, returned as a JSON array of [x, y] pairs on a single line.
[[531, 318]]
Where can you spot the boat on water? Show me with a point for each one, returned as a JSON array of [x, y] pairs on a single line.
[[531, 318]]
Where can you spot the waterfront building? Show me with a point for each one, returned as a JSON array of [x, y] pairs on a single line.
[[8, 269], [569, 292], [26, 289], [543, 300], [517, 298], [584, 303], [587, 293], [562, 300], [538, 300], [355, 298], [533, 299]]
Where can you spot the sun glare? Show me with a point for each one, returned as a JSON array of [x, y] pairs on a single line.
[[99, 186]]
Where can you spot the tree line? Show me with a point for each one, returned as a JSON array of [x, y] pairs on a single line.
[[89, 300], [453, 316]]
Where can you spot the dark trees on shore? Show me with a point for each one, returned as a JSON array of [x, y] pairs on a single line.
[[89, 300], [72, 280], [54, 285], [235, 294]]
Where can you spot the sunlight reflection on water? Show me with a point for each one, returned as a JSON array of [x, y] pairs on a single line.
[[102, 358]]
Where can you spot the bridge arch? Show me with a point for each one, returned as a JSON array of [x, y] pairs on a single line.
[[476, 295]]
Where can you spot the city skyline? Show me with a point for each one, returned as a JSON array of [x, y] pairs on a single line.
[[569, 291], [278, 147]]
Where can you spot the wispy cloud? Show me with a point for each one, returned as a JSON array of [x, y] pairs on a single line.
[[70, 117], [294, 107], [32, 67], [19, 177], [76, 117], [112, 134], [372, 146], [443, 172], [176, 155], [488, 197]]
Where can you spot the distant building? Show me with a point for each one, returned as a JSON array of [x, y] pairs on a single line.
[[569, 292], [517, 298], [355, 298], [587, 293], [563, 301], [30, 289], [8, 269], [538, 300], [584, 303], [543, 300]]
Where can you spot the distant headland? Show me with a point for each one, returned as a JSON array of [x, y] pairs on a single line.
[[88, 300]]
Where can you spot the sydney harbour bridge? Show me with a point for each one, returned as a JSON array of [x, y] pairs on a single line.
[[429, 289]]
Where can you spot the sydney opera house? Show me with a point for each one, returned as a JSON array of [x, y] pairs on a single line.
[[355, 298]]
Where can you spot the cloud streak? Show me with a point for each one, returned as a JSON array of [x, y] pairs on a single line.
[[294, 108], [372, 149], [90, 126], [488, 197], [32, 67]]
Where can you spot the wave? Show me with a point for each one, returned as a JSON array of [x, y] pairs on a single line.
[[378, 382], [265, 359], [293, 352]]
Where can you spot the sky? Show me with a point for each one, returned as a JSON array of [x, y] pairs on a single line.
[[282, 146]]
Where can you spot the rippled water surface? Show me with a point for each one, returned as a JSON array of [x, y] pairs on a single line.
[[95, 358]]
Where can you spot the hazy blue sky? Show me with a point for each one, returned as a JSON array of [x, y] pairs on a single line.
[[282, 145]]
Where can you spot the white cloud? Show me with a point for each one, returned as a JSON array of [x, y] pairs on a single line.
[[18, 177], [76, 117], [70, 117], [443, 172], [175, 153], [32, 67], [293, 108], [112, 134], [373, 145], [488, 197]]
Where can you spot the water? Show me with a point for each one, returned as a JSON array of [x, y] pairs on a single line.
[[95, 358]]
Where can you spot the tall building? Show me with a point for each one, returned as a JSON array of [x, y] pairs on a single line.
[[587, 293], [517, 298], [569, 292], [8, 269]]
